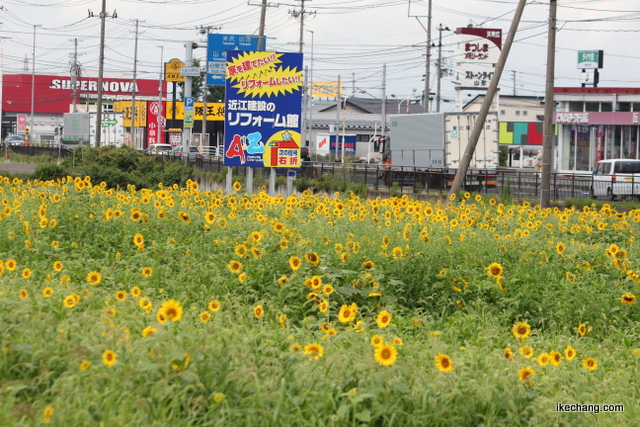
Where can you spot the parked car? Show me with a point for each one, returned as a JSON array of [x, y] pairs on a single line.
[[193, 152], [615, 178], [15, 140], [160, 149]]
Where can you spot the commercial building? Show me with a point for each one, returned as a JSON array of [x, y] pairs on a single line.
[[595, 123]]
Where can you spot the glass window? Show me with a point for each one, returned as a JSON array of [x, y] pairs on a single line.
[[624, 106], [606, 107], [525, 112], [503, 112], [592, 106], [636, 106], [576, 106], [517, 112]]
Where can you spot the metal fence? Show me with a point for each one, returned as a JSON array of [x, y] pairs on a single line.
[[522, 184]]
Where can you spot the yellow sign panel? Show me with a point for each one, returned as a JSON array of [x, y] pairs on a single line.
[[326, 89], [126, 108], [215, 111], [172, 70]]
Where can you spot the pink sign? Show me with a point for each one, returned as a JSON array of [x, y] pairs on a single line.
[[22, 123]]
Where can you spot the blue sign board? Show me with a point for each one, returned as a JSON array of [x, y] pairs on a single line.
[[217, 46], [349, 145], [263, 109]]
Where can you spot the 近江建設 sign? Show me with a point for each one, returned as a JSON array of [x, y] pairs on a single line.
[[263, 102]]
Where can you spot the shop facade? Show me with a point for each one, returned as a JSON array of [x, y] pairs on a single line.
[[594, 124]]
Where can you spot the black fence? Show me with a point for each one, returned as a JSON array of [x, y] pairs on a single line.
[[39, 150], [518, 183]]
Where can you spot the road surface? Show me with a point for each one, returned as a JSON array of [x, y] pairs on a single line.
[[17, 168]]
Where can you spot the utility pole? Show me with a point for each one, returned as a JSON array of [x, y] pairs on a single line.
[[33, 81], [301, 25], [103, 15], [383, 133], [75, 73], [549, 105], [133, 89], [438, 97], [486, 104], [425, 106], [263, 18], [203, 138], [514, 82]]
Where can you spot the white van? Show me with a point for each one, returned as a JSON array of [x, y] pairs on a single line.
[[615, 178]]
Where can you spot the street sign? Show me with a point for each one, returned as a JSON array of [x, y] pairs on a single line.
[[190, 71], [217, 45], [172, 71], [590, 59], [189, 101]]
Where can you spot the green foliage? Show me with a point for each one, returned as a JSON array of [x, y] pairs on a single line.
[[505, 192], [119, 166], [503, 156], [49, 171]]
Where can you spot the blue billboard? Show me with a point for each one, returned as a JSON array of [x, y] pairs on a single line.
[[217, 46], [263, 109], [349, 144]]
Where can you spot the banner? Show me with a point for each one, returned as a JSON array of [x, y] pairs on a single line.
[[263, 97]]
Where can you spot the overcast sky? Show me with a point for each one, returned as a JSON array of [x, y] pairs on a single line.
[[350, 38]]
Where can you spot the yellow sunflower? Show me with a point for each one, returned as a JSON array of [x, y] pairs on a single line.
[[138, 240], [172, 310], [443, 363], [386, 354], [569, 353], [214, 306], [294, 263], [258, 311], [109, 358], [347, 313], [205, 316], [147, 272], [495, 270], [94, 278], [525, 374], [312, 258], [521, 331], [384, 319], [555, 358], [590, 364], [628, 299], [314, 351]]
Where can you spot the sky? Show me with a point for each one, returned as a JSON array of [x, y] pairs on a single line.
[[377, 47]]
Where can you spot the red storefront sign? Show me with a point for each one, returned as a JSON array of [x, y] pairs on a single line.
[[155, 128], [54, 94]]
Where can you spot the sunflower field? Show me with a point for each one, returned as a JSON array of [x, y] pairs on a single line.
[[182, 307]]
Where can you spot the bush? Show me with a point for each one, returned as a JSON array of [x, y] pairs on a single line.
[[49, 171]]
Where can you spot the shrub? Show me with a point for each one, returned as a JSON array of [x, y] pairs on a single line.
[[49, 171]]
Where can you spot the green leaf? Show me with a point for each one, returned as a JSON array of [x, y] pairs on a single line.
[[364, 416]]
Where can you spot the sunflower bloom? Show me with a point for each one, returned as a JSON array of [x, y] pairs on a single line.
[[590, 364], [443, 363], [314, 351], [312, 258], [48, 413], [214, 306], [525, 374], [234, 266], [628, 299], [386, 354], [555, 358], [258, 311], [495, 270], [569, 353], [294, 263], [47, 292], [521, 331], [384, 319], [149, 330], [508, 354], [138, 240], [147, 272], [109, 358], [85, 365], [347, 313], [172, 310], [205, 316], [543, 359], [94, 278], [526, 352]]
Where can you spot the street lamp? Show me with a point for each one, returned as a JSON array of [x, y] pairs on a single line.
[[407, 99], [33, 79], [344, 117], [159, 113]]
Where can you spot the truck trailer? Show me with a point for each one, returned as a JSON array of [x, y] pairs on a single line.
[[431, 145]]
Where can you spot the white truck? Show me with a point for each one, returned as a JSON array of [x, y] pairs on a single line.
[[436, 142]]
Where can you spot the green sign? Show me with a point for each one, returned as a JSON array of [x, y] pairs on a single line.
[[590, 59], [108, 122]]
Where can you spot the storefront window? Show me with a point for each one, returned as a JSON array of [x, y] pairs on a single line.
[[606, 107], [624, 106], [592, 106], [576, 106]]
